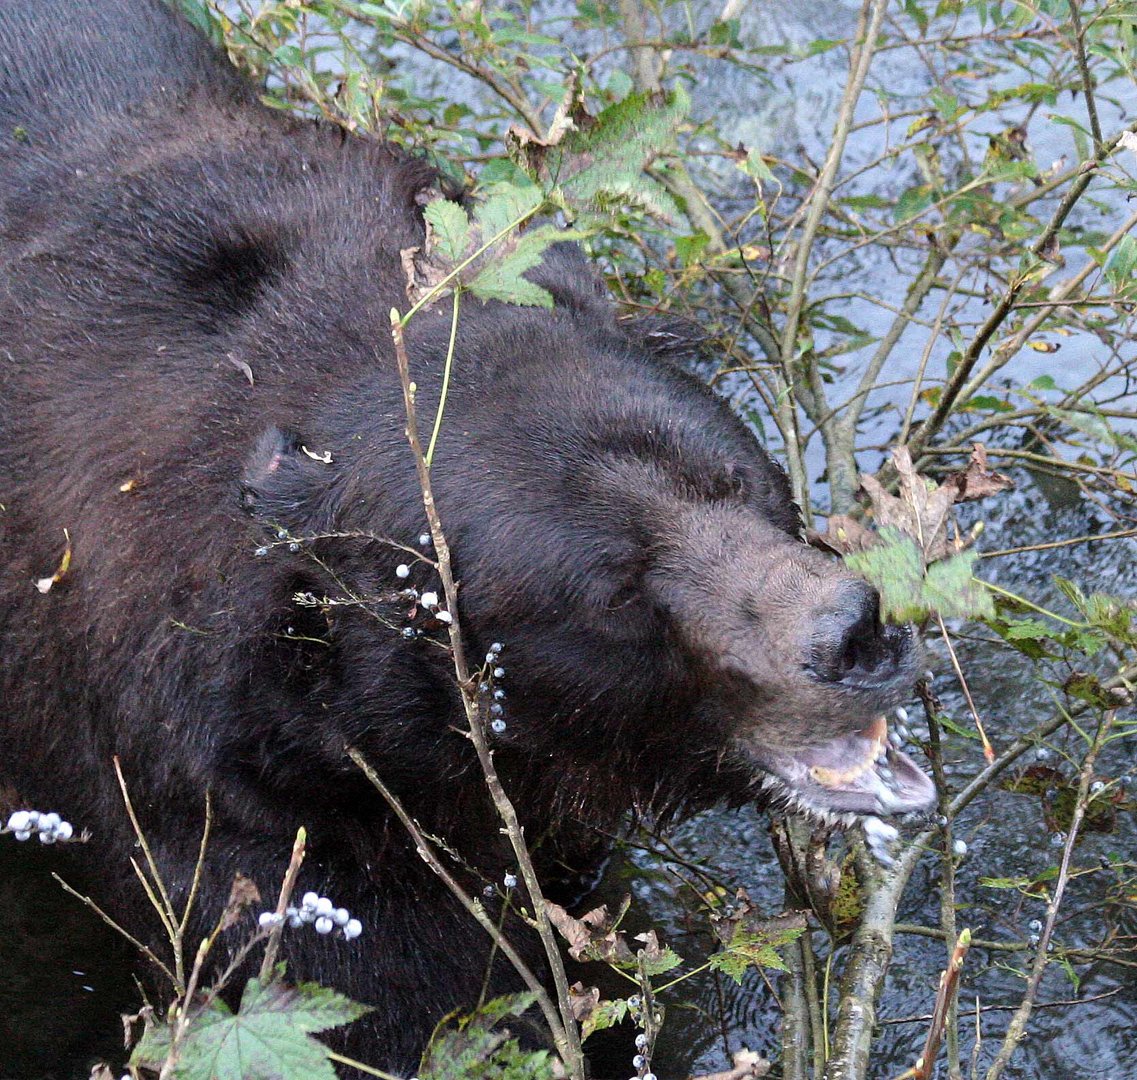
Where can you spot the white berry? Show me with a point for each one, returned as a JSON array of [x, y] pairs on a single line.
[[19, 821], [324, 925], [353, 929]]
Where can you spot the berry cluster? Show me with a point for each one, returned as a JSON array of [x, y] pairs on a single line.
[[324, 916], [640, 1061], [50, 827], [427, 602], [494, 671]]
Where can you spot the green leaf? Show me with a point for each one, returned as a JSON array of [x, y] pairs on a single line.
[[749, 948], [451, 228], [896, 568], [690, 248], [607, 1014], [756, 168], [907, 592], [269, 1036], [987, 403], [1030, 629], [665, 961], [1119, 269], [501, 278], [478, 1047], [505, 204], [950, 589], [605, 162]]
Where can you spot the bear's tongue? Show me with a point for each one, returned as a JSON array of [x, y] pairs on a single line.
[[853, 774]]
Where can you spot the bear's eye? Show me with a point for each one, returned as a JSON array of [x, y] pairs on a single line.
[[629, 593], [624, 596]]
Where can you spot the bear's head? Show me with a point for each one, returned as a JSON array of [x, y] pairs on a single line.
[[669, 638]]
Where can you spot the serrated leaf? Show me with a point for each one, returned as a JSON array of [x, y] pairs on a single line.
[[605, 162], [506, 203], [1029, 629], [896, 568], [908, 592], [950, 589], [607, 1014], [478, 1046], [450, 228], [750, 949], [502, 277], [666, 959], [269, 1036]]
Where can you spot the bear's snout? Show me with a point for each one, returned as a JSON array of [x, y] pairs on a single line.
[[852, 646]]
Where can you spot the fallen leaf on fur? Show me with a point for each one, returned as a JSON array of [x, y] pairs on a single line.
[[44, 584], [243, 893]]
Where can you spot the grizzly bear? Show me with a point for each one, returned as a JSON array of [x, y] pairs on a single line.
[[208, 500]]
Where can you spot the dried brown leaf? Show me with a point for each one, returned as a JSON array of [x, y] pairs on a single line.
[[243, 893], [583, 1000], [977, 481], [844, 535], [592, 936]]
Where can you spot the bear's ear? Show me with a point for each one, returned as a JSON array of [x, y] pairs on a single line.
[[286, 485], [677, 340], [227, 273], [573, 283]]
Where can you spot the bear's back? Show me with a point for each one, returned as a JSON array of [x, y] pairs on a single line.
[[71, 63]]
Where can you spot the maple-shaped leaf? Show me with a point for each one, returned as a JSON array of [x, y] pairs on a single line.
[[910, 590], [752, 948], [604, 161], [268, 1038]]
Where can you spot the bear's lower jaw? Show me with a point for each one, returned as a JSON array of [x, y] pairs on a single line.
[[848, 777]]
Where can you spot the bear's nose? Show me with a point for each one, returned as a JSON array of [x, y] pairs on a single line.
[[850, 644]]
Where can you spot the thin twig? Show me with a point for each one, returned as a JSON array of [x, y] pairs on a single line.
[[426, 851], [268, 962], [1017, 1028], [160, 902], [145, 950], [565, 1033]]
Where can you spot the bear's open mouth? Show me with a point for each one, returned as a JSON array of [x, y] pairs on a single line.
[[848, 777]]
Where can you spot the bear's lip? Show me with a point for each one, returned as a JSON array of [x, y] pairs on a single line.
[[848, 777]]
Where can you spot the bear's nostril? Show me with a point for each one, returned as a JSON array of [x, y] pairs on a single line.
[[849, 640]]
